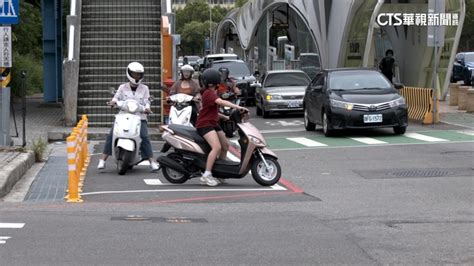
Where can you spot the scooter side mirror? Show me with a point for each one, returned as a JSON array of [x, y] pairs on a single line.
[[151, 99], [112, 90]]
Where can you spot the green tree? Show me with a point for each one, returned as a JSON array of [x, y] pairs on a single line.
[[240, 3], [192, 23], [467, 36]]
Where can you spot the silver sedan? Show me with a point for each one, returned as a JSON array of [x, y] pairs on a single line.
[[281, 91]]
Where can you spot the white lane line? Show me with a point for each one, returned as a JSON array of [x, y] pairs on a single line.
[[278, 187], [11, 225], [178, 190], [467, 132], [423, 137], [269, 131], [153, 182], [307, 142], [3, 239], [370, 141]]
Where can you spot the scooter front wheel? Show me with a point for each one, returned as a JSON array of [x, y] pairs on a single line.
[[124, 163], [174, 176], [263, 175]]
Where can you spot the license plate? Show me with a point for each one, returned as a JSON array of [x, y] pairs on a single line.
[[373, 118], [293, 104]]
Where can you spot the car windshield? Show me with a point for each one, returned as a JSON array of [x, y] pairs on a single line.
[[236, 69], [469, 57], [193, 58], [286, 79], [309, 60], [357, 80]]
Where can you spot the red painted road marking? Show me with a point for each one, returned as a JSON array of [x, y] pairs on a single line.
[[286, 183]]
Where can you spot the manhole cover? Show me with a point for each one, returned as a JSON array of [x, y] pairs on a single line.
[[415, 173], [131, 218]]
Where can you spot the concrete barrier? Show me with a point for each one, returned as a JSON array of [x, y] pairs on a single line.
[[462, 97], [470, 101], [453, 94], [420, 104]]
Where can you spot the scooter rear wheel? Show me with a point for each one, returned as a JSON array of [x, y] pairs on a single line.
[[174, 176], [264, 176]]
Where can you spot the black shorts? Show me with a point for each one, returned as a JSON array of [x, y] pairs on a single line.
[[204, 130]]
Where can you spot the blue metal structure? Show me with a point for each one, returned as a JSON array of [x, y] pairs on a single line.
[[52, 49]]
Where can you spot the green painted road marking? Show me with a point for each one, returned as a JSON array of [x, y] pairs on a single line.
[[281, 143]]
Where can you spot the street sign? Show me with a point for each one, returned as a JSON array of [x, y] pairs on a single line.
[[5, 46], [9, 11]]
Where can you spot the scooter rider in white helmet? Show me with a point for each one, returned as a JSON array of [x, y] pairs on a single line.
[[188, 86], [134, 89]]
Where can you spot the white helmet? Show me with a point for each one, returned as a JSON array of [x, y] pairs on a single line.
[[137, 69], [187, 68]]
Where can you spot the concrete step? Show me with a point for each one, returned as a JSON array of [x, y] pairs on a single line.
[[117, 32], [121, 13], [116, 62], [136, 21], [107, 119], [84, 109], [114, 70], [115, 77], [98, 132], [119, 40], [114, 48], [151, 125], [102, 101], [131, 56], [144, 27]]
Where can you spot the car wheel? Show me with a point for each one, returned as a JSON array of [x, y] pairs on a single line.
[[266, 114], [328, 132], [259, 110], [399, 130], [310, 126]]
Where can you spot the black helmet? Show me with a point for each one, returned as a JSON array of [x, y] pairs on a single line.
[[210, 77], [389, 51], [224, 72]]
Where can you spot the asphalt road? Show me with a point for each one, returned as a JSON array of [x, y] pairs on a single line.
[[368, 198]]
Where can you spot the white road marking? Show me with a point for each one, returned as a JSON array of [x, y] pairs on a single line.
[[180, 190], [277, 187], [370, 141], [281, 131], [466, 132], [3, 239], [12, 225], [423, 137], [307, 142], [153, 182]]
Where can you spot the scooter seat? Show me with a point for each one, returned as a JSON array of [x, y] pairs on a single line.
[[189, 133]]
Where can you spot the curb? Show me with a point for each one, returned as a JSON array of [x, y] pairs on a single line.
[[14, 171]]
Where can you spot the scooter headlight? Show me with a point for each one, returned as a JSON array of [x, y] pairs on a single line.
[[256, 141], [132, 107]]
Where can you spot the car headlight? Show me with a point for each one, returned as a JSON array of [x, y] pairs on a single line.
[[397, 102], [341, 104], [132, 107], [273, 97]]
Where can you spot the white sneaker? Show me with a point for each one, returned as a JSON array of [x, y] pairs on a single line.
[[154, 166], [208, 181], [221, 180], [101, 164]]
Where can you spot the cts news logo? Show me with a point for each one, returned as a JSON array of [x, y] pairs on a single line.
[[418, 19]]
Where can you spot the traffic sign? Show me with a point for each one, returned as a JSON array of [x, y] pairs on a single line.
[[5, 46], [9, 11]]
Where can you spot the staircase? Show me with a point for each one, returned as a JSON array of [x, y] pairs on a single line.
[[113, 34]]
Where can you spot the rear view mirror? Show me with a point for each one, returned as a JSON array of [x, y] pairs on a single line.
[[398, 86], [317, 88], [256, 74]]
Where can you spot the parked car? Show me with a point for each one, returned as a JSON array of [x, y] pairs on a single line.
[[193, 60], [208, 59], [463, 68], [354, 98], [240, 72], [281, 91]]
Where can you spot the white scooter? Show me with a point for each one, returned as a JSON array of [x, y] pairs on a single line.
[[126, 139], [180, 113], [181, 109]]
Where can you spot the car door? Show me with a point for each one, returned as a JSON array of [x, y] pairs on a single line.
[[259, 91], [316, 96]]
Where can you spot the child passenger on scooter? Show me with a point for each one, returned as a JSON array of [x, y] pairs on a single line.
[[133, 89], [207, 123]]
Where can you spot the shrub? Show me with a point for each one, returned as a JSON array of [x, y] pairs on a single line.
[[39, 147], [34, 76]]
